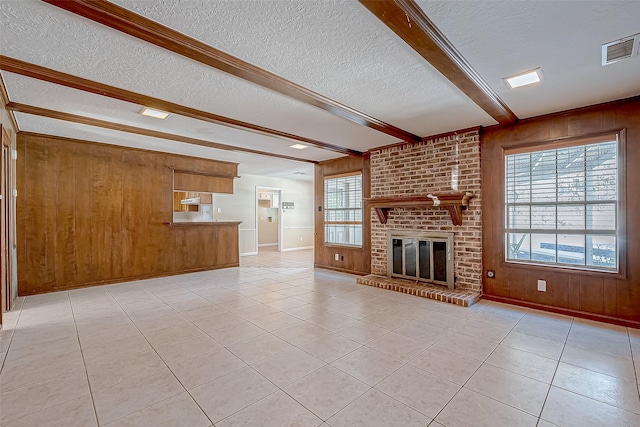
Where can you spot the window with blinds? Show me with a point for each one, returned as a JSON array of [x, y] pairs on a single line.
[[343, 210], [561, 205]]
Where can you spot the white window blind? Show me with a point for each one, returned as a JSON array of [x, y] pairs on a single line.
[[562, 206], [343, 210]]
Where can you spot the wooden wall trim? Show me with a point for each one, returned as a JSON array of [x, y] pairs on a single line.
[[218, 175], [409, 22], [341, 270], [563, 311], [52, 76], [138, 26], [26, 292], [58, 115]]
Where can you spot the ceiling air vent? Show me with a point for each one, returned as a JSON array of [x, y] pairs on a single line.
[[620, 49]]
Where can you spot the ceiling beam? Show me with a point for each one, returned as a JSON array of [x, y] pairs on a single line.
[[74, 118], [138, 26], [52, 76], [411, 24]]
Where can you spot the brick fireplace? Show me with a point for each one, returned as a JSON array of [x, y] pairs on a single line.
[[435, 166]]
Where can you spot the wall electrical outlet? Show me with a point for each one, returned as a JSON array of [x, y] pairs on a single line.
[[542, 285], [337, 257]]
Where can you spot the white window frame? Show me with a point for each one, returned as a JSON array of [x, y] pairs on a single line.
[[620, 228]]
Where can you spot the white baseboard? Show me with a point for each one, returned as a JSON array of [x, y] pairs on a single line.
[[297, 249], [248, 253], [267, 244]]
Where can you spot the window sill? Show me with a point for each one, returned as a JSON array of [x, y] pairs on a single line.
[[344, 246]]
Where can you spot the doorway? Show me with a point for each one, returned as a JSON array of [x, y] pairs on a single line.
[[268, 218]]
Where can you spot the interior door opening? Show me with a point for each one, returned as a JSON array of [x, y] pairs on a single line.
[[268, 219]]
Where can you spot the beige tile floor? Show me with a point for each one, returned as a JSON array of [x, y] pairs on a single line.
[[277, 343]]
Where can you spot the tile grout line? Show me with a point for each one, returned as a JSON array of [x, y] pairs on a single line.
[[6, 353], [564, 345], [278, 388], [86, 372], [471, 376], [163, 361]]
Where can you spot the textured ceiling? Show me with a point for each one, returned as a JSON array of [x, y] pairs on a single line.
[[77, 46], [503, 38], [336, 48], [29, 91], [249, 163]]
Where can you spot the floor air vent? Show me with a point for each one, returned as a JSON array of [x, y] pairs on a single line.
[[620, 49]]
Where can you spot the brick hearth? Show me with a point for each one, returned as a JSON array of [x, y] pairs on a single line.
[[463, 297]]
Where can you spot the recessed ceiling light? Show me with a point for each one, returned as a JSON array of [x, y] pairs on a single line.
[[156, 114], [298, 146], [523, 79]]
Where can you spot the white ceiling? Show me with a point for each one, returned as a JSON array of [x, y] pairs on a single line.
[[336, 48]]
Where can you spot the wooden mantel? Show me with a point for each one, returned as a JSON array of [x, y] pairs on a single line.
[[452, 202]]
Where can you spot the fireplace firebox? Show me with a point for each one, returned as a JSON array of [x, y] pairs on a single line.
[[426, 257]]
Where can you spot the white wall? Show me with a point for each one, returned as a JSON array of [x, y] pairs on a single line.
[[241, 206], [8, 125], [268, 231]]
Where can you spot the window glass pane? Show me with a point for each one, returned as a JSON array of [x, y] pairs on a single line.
[[543, 217], [571, 164], [571, 249], [543, 176], [519, 246], [571, 217], [543, 247], [519, 217], [601, 251], [357, 234], [601, 168], [519, 178], [601, 216]]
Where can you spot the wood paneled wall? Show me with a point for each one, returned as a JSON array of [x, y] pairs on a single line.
[[596, 295], [356, 260], [92, 213]]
